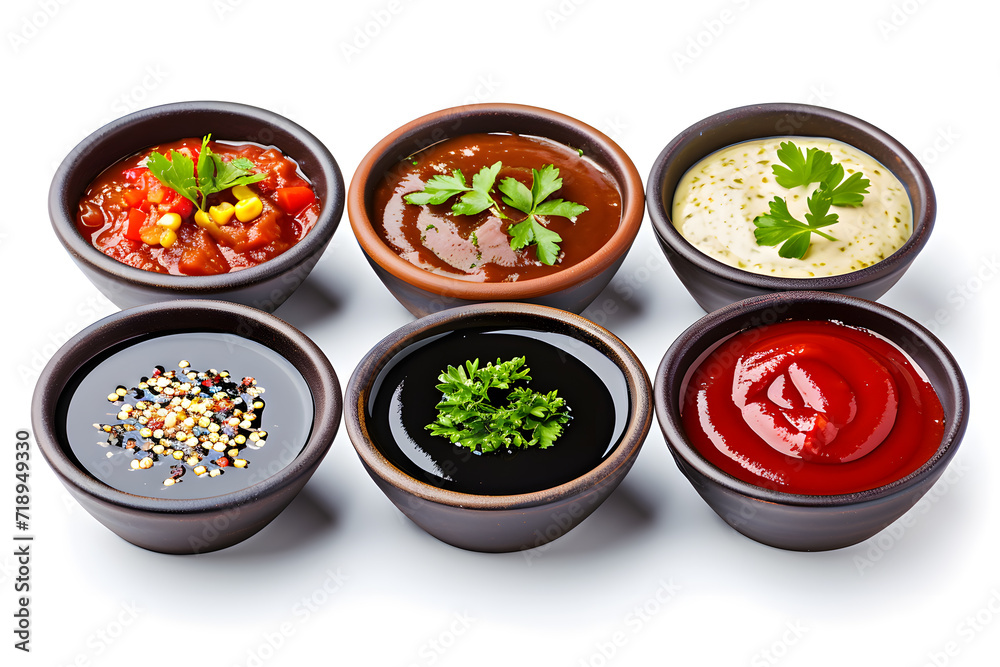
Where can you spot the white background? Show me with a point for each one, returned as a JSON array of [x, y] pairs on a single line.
[[653, 577]]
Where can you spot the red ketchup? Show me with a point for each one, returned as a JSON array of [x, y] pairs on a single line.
[[812, 407]]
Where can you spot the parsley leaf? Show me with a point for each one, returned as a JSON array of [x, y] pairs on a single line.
[[815, 166], [532, 202], [468, 418], [801, 169], [779, 226], [213, 173], [544, 183]]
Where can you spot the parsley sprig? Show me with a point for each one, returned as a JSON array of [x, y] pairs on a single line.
[[468, 418], [534, 202], [213, 173], [814, 166]]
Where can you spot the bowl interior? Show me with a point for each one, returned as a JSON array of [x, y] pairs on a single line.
[[226, 121], [225, 320], [436, 127], [770, 120], [618, 366], [929, 354]]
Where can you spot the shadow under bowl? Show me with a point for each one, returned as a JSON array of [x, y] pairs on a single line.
[[423, 292], [264, 286], [714, 284], [797, 521], [512, 522], [195, 525]]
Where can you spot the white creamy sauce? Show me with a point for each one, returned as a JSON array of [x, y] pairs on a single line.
[[717, 200]]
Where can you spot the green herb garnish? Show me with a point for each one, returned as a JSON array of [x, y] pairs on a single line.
[[815, 166], [214, 174], [477, 198], [468, 418]]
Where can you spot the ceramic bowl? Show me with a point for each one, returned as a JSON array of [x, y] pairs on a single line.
[[515, 521], [423, 292], [714, 284], [264, 286], [798, 521], [174, 525]]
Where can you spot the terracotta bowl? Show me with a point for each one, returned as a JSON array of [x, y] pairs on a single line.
[[422, 292], [497, 523], [798, 521], [173, 525], [714, 284], [264, 286]]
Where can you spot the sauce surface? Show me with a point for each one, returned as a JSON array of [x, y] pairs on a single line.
[[717, 200], [477, 247], [284, 416], [811, 407], [117, 206], [404, 399]]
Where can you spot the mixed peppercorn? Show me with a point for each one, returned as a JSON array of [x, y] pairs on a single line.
[[186, 417]]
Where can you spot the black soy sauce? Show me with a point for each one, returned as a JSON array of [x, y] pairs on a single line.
[[286, 417], [404, 397]]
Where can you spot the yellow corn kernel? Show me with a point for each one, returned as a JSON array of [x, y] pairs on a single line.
[[240, 463], [248, 209], [168, 237], [202, 219], [243, 192], [200, 470], [170, 221], [222, 213]]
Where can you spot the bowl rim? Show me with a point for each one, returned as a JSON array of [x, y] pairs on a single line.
[[64, 223], [668, 411], [119, 328], [662, 220], [357, 394], [629, 185]]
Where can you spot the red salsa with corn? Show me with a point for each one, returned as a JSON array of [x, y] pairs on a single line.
[[812, 407], [131, 215]]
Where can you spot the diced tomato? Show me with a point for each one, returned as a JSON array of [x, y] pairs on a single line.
[[134, 197], [133, 226], [201, 257], [135, 173], [263, 232], [293, 200], [182, 206]]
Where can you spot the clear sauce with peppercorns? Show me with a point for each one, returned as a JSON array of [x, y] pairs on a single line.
[[186, 415]]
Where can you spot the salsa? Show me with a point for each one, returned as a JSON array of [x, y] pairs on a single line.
[[129, 214], [478, 247], [812, 407]]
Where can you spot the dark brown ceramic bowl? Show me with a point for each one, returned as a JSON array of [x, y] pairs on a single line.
[[264, 286], [422, 292], [796, 521], [202, 524], [496, 523], [714, 284]]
